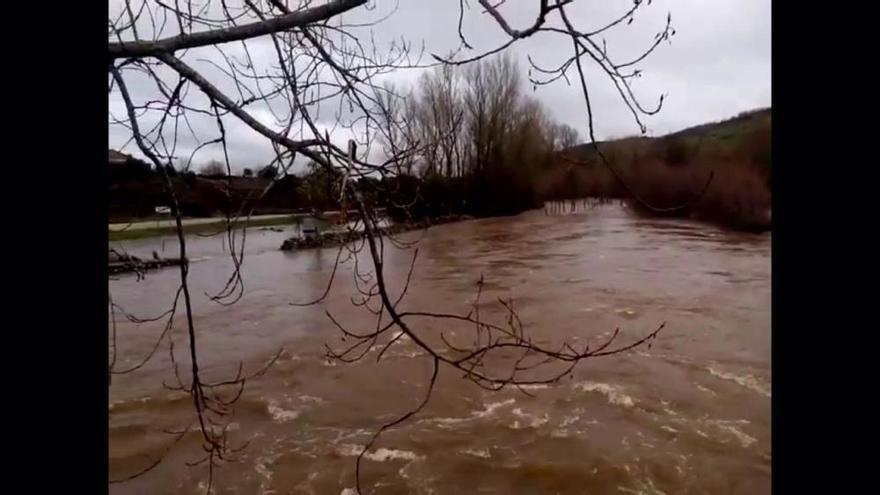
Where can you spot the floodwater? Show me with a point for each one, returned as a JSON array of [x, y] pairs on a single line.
[[691, 414]]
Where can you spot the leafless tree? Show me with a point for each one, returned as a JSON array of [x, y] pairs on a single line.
[[440, 118], [565, 137], [280, 68]]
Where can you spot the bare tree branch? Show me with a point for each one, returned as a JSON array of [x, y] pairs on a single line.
[[285, 22]]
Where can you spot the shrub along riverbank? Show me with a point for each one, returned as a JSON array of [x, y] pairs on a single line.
[[673, 170], [654, 174]]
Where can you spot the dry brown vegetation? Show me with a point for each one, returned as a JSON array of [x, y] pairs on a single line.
[[673, 170]]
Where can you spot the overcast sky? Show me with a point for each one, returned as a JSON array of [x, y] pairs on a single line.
[[717, 65]]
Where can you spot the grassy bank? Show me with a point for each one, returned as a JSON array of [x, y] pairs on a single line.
[[203, 228]]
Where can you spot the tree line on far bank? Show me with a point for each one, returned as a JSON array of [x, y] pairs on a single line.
[[484, 146]]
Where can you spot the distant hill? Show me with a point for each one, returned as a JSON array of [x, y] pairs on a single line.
[[712, 133], [727, 128]]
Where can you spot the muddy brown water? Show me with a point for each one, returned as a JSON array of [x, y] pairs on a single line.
[[689, 415]]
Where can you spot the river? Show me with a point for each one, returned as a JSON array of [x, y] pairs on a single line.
[[691, 414]]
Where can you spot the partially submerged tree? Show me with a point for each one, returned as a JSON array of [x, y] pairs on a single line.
[[283, 70]]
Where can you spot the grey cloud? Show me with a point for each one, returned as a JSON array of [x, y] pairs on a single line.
[[717, 65]]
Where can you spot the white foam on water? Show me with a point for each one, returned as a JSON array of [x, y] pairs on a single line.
[[379, 455], [482, 453], [488, 410], [653, 489], [567, 433], [203, 486], [535, 386], [726, 426], [704, 389], [349, 450], [568, 420], [382, 454], [532, 421], [560, 433], [402, 471], [491, 407], [410, 354], [613, 393], [344, 434], [261, 466], [142, 400], [447, 422], [731, 421], [311, 399], [279, 414], [666, 409], [348, 491], [401, 337], [645, 488], [745, 380], [744, 439]]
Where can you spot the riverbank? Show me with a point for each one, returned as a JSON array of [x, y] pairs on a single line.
[[125, 263], [334, 238], [168, 226], [141, 230]]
